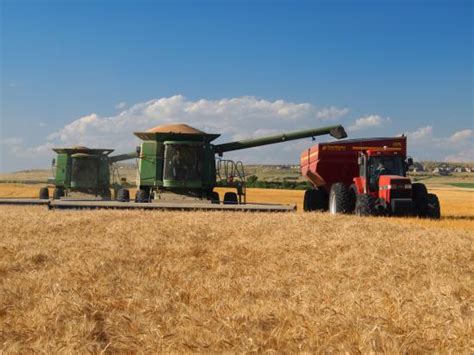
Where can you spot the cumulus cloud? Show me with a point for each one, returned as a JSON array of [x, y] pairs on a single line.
[[121, 105], [421, 133], [368, 122], [461, 135], [426, 145], [235, 118]]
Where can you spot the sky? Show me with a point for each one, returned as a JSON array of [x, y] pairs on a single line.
[[92, 72]]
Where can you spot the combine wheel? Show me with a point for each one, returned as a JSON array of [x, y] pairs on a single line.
[[44, 193], [420, 199], [214, 197], [142, 196], [58, 193], [123, 195], [340, 200], [230, 198], [432, 208], [365, 205]]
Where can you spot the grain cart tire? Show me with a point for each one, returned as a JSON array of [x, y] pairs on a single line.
[[123, 195], [58, 193], [214, 197], [420, 199], [432, 209], [321, 200], [142, 196], [309, 200], [365, 205], [230, 198], [44, 193], [339, 199]]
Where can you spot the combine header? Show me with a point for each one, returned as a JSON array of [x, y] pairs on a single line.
[[365, 176]]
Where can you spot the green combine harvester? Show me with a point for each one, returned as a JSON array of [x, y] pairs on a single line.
[[178, 168], [81, 172]]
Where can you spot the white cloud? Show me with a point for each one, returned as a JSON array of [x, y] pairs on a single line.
[[121, 105], [235, 118], [461, 135], [368, 122], [421, 133]]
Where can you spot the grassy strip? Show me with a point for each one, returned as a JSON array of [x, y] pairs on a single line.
[[467, 185]]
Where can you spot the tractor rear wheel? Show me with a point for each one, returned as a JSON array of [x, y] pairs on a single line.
[[340, 199], [142, 196], [123, 195], [420, 198], [58, 193], [230, 198], [44, 193], [365, 205]]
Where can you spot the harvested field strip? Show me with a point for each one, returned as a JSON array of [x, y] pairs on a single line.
[[126, 281]]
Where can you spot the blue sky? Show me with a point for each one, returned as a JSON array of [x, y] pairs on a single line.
[[73, 71]]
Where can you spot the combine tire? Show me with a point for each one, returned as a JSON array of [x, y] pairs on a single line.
[[340, 200], [214, 197], [123, 195], [432, 208], [58, 193], [142, 196], [365, 205], [106, 195], [230, 198], [420, 199], [44, 193], [315, 200]]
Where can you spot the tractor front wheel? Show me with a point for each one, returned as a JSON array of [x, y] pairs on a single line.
[[340, 199], [431, 209], [420, 198], [44, 193], [365, 205]]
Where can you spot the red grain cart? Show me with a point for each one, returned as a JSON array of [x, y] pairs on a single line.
[[366, 176]]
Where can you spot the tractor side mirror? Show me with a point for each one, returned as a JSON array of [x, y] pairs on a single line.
[[53, 162], [409, 161], [138, 150]]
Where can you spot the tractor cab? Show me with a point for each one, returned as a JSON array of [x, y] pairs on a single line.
[[382, 174]]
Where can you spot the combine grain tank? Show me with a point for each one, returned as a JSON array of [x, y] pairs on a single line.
[[365, 176]]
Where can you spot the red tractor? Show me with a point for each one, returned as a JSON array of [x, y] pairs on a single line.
[[366, 177]]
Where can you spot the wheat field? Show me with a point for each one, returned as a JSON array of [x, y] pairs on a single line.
[[148, 281]]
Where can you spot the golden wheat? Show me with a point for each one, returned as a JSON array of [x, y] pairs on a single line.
[[148, 281]]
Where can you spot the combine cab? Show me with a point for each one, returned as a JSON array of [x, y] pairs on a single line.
[[366, 177]]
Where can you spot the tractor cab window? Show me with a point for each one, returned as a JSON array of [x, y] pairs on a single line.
[[379, 166], [182, 162], [84, 172]]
